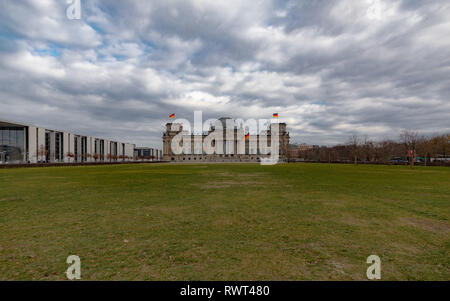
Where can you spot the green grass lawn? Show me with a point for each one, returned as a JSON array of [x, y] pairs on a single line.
[[225, 222]]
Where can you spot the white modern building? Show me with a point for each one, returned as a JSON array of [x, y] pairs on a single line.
[[147, 154], [24, 143]]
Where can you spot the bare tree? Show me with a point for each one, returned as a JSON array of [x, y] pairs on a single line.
[[409, 139], [444, 144], [362, 149], [96, 157], [42, 153], [354, 142], [424, 148], [71, 156]]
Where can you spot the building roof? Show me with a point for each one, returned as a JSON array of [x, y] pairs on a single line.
[[7, 123]]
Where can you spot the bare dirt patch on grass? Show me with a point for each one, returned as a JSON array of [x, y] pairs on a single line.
[[225, 184], [260, 174], [353, 220], [428, 225]]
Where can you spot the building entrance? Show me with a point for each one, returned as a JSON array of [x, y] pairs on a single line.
[[2, 157]]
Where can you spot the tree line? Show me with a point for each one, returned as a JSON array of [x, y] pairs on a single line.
[[409, 148]]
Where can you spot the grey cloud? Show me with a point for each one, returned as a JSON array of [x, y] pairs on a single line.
[[134, 62]]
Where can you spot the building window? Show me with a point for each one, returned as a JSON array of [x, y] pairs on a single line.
[[12, 144], [47, 146]]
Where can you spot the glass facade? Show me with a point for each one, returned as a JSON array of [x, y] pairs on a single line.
[[102, 148], [144, 152], [113, 148], [47, 147], [77, 148], [59, 147], [12, 144], [29, 144]]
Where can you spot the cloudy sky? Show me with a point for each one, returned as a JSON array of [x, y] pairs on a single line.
[[329, 68]]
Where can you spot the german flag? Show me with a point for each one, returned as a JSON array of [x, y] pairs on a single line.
[[275, 115], [247, 136], [172, 116]]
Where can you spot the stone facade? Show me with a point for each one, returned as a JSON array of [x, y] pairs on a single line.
[[237, 149]]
